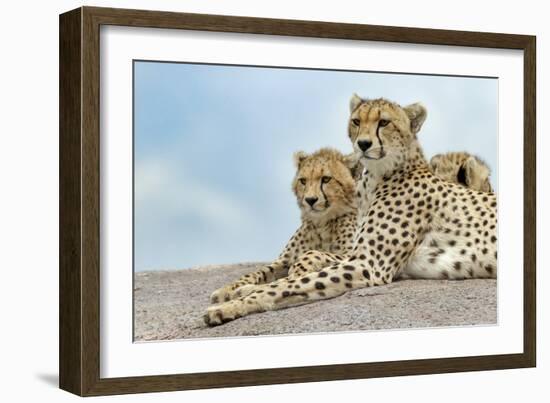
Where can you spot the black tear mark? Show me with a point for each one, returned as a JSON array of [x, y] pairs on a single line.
[[379, 139]]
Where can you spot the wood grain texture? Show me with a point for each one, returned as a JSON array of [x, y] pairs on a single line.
[[70, 274], [305, 374], [90, 202], [316, 29], [530, 202], [80, 200]]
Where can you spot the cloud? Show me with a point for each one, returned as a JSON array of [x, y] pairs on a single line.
[[168, 190], [214, 145]]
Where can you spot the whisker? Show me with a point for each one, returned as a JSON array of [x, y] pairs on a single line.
[[388, 151], [387, 148]]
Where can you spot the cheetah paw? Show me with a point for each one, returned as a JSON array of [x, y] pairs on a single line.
[[220, 314]]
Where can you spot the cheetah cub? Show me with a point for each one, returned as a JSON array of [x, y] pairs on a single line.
[[324, 188], [464, 169], [410, 223]]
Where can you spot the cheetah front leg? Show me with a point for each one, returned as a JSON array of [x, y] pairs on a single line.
[[298, 244], [312, 261], [309, 262], [329, 282], [375, 261], [238, 288]]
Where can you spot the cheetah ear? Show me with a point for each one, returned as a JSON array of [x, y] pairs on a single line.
[[474, 168], [417, 114], [354, 102], [299, 157]]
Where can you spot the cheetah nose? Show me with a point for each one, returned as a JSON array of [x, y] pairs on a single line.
[[311, 200], [364, 145]]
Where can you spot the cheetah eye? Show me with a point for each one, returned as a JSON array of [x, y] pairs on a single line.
[[356, 122], [326, 179], [302, 181], [383, 122]]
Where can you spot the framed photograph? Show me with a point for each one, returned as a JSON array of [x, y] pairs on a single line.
[[248, 201]]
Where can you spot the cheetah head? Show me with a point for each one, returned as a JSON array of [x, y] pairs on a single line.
[[464, 169], [324, 183], [382, 131]]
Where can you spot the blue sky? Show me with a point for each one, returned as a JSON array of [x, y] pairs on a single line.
[[214, 144]]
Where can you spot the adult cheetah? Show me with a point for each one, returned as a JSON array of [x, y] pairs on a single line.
[[324, 189], [462, 168], [410, 222]]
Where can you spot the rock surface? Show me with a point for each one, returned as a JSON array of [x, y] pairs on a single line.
[[170, 305]]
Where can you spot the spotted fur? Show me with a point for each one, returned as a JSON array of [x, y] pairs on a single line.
[[411, 223]]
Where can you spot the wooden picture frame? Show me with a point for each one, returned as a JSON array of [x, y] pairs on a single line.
[[79, 278]]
